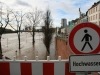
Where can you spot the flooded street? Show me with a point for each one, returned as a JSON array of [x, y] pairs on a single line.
[[10, 46]]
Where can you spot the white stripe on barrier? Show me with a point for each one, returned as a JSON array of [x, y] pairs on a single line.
[[15, 68], [37, 68], [59, 68]]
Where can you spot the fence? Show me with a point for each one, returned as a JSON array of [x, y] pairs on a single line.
[[35, 67]]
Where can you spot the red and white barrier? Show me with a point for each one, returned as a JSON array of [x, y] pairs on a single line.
[[35, 67]]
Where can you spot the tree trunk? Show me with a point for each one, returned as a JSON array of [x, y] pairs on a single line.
[[33, 36], [47, 54], [19, 42], [19, 38], [0, 46]]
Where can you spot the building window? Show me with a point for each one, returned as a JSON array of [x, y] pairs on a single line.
[[96, 8], [88, 18], [96, 16], [93, 10], [91, 18], [99, 23], [89, 12], [99, 15]]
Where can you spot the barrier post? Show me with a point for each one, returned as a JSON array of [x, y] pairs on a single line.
[[25, 58], [59, 58], [14, 58], [48, 58]]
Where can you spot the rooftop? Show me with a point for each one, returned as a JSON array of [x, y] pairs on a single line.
[[95, 4]]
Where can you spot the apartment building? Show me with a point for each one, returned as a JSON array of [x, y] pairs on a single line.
[[94, 13]]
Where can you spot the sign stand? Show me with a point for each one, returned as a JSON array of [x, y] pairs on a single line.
[[81, 41]]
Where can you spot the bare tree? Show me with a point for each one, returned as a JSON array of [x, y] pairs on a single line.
[[18, 20], [47, 30], [34, 18], [5, 19]]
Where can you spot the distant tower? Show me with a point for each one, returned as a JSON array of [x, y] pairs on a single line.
[[63, 22], [80, 13]]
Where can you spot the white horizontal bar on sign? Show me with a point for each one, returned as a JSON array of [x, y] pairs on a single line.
[[80, 63]]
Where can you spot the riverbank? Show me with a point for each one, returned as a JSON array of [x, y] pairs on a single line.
[[1, 57]]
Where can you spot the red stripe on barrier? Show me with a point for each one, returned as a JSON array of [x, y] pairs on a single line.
[[89, 72], [67, 70], [26, 69], [48, 68], [4, 68]]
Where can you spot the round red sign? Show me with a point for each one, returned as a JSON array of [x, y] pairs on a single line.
[[85, 39]]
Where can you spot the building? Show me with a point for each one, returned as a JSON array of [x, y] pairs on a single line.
[[28, 28], [94, 13], [63, 30], [82, 18], [63, 22], [68, 29], [64, 26], [57, 30]]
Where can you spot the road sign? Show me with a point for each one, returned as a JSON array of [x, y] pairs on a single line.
[[84, 63], [85, 39]]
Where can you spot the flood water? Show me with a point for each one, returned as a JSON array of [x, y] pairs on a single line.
[[10, 46]]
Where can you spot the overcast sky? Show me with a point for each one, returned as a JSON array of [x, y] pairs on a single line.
[[68, 9]]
